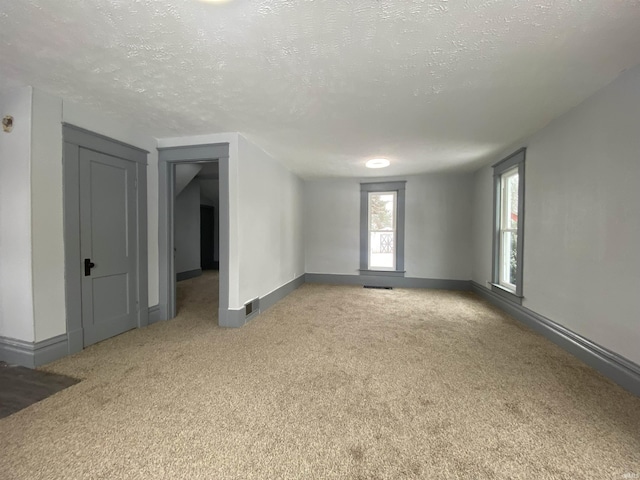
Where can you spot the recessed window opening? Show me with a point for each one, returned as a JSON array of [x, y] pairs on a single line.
[[508, 238]]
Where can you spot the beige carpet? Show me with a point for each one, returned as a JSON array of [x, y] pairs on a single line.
[[329, 383]]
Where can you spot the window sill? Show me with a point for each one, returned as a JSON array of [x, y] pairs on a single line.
[[383, 273], [507, 294]]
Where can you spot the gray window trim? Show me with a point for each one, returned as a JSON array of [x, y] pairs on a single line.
[[365, 188], [516, 159], [383, 273]]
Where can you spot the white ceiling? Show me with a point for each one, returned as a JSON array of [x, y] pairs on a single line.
[[325, 85]]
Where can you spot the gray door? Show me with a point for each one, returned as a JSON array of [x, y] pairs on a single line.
[[107, 245]]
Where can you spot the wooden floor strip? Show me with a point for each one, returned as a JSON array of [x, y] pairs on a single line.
[[21, 387]]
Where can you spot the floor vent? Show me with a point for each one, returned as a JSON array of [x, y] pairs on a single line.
[[251, 307], [381, 288]]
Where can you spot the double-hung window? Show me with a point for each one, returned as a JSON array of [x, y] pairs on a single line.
[[382, 228], [508, 238], [508, 260]]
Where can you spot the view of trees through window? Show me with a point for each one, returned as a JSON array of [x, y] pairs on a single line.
[[382, 226], [381, 211], [514, 258], [513, 206]]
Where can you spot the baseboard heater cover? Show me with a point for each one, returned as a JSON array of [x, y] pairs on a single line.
[[380, 288]]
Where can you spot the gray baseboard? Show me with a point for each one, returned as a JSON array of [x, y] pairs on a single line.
[[16, 352], [384, 281], [33, 354], [278, 294], [232, 318], [622, 371], [188, 274], [235, 318], [75, 339], [155, 314]]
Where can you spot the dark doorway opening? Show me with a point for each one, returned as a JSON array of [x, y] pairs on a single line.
[[208, 238]]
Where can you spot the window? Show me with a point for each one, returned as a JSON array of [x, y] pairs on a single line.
[[508, 229], [508, 177], [382, 228]]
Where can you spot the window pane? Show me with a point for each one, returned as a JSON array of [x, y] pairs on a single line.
[[509, 258], [381, 211], [382, 249], [513, 258], [509, 206], [513, 202]]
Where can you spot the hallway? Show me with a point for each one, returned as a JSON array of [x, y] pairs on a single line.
[[197, 298]]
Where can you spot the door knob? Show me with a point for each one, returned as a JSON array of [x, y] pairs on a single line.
[[88, 265]]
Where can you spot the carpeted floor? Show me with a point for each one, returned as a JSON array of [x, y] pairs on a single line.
[[329, 383]]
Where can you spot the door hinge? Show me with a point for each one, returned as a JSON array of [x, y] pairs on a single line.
[[135, 183]]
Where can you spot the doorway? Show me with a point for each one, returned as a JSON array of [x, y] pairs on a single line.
[[168, 159], [207, 238]]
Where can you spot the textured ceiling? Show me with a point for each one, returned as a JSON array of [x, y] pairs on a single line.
[[324, 85]]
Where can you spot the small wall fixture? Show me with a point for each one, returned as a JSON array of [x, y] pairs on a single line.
[[7, 124], [377, 163]]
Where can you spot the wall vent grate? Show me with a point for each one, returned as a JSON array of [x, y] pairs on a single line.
[[251, 307]]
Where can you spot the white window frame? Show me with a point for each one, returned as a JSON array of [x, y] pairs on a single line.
[[514, 163], [394, 194], [504, 271], [378, 187]]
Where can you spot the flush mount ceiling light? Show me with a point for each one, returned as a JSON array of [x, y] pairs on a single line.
[[377, 163]]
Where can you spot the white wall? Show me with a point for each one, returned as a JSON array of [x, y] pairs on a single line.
[[482, 225], [184, 173], [582, 219], [332, 226], [187, 228], [437, 226], [46, 217], [16, 294], [270, 223]]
